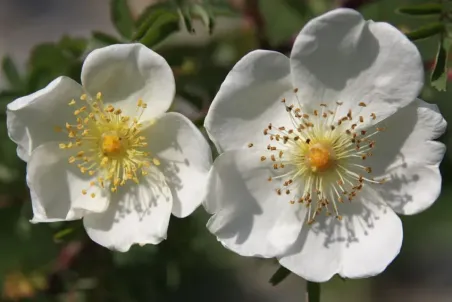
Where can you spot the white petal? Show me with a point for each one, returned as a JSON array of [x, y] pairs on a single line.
[[125, 73], [56, 186], [341, 57], [31, 119], [185, 158], [406, 155], [249, 98], [250, 218], [138, 214], [367, 239]]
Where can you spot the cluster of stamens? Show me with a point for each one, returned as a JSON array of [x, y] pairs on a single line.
[[106, 144], [319, 159]]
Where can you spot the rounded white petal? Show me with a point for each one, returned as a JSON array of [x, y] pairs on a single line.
[[341, 57], [367, 239], [185, 159], [125, 73], [138, 214], [249, 98], [31, 119], [406, 155], [56, 186], [249, 217]]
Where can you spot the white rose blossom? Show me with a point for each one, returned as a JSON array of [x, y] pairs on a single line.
[[107, 152], [322, 149]]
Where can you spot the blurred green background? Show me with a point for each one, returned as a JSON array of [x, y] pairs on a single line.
[[43, 39]]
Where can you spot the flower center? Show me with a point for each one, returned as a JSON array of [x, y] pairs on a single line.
[[111, 144], [320, 157], [107, 144]]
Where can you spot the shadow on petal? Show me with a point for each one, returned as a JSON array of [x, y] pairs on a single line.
[[134, 201]]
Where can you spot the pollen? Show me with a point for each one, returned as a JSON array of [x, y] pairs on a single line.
[[111, 144], [320, 158], [106, 144]]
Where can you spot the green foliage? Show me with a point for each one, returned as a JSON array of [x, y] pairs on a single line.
[[159, 28], [439, 75], [104, 38], [424, 9], [282, 21], [122, 18], [426, 31], [11, 73], [313, 291], [279, 276], [191, 260]]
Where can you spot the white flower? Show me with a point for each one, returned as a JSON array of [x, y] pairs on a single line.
[[322, 149], [107, 152]]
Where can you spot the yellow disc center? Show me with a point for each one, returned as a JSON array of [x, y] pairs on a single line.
[[320, 157], [111, 144]]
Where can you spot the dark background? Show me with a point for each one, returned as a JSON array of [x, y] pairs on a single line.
[[58, 262]]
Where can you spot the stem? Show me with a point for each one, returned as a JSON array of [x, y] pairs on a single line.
[[313, 291]]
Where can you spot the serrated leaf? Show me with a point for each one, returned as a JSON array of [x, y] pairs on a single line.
[[11, 73], [426, 31], [105, 38], [279, 276], [163, 26], [313, 289], [424, 9], [122, 18], [438, 78]]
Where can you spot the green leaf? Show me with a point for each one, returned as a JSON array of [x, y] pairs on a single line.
[[75, 46], [7, 96], [281, 274], [122, 18], [105, 38], [426, 31], [438, 78], [424, 9], [11, 73], [222, 9], [186, 14], [48, 61], [152, 11], [200, 12], [152, 14], [313, 291], [61, 234], [281, 20], [162, 27], [47, 55], [300, 7]]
